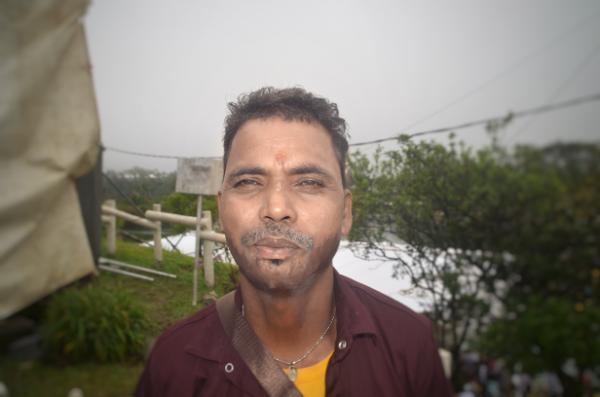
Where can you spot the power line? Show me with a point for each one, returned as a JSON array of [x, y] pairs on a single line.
[[518, 114], [140, 154], [126, 197], [514, 66], [152, 155], [132, 203], [514, 115], [561, 87], [556, 39]]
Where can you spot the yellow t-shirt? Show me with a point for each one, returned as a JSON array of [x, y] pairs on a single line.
[[311, 380]]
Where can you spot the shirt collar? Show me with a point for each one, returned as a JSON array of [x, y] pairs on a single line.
[[352, 315]]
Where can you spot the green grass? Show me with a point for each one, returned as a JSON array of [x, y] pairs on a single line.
[[35, 379], [166, 301]]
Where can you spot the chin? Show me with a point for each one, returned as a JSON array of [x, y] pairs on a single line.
[[280, 278], [293, 275]]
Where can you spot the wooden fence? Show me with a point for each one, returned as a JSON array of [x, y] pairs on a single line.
[[202, 223]]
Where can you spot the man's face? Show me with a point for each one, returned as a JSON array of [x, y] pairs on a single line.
[[282, 205]]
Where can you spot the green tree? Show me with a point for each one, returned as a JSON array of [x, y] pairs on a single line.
[[551, 310], [186, 204], [137, 188], [440, 204], [541, 333], [480, 231]]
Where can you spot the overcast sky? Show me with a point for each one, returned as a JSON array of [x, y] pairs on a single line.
[[164, 71]]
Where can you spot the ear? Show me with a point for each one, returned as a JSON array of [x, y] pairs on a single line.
[[347, 214]]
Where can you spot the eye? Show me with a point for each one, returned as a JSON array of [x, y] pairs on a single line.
[[310, 183], [244, 183]]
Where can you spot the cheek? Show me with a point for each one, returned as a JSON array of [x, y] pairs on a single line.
[[322, 217], [234, 214], [322, 254]]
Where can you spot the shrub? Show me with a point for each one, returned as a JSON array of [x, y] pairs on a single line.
[[92, 324]]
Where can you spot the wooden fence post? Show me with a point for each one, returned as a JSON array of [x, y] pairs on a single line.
[[197, 250], [158, 254], [207, 250], [111, 230]]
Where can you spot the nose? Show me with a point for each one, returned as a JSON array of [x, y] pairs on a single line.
[[277, 205]]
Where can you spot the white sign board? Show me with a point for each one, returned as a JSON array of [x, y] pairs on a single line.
[[199, 176]]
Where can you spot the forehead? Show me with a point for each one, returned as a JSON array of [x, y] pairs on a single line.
[[275, 141]]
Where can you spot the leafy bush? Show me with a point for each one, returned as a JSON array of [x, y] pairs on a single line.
[[186, 204], [93, 324]]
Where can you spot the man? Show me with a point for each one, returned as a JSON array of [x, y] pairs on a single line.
[[283, 206]]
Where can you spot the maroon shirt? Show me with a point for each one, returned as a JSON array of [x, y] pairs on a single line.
[[382, 349]]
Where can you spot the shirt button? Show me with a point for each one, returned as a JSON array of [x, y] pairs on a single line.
[[342, 344], [229, 368]]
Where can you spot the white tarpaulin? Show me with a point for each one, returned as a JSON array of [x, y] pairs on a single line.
[[49, 134]]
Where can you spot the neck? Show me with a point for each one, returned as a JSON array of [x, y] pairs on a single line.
[[290, 323]]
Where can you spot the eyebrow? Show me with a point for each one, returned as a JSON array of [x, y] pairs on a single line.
[[247, 171], [299, 170], [309, 169]]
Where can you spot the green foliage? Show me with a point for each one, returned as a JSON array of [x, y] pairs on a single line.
[[543, 332], [180, 203], [93, 324], [558, 244], [186, 204], [141, 188], [165, 301], [142, 185], [448, 205], [95, 380], [490, 227]]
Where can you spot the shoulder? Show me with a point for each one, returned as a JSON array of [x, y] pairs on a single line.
[[189, 333], [170, 368], [387, 311], [402, 335], [190, 324]]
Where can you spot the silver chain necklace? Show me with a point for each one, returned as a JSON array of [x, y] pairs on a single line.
[[291, 365]]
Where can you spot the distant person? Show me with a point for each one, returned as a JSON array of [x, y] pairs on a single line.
[[468, 390], [520, 382], [294, 326], [546, 384]]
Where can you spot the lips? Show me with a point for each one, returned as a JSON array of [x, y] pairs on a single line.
[[275, 249]]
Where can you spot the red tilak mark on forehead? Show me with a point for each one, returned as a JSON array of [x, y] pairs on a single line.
[[280, 157]]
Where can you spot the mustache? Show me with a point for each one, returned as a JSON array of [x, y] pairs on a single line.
[[276, 230]]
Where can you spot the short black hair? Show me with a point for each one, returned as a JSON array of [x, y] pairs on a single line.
[[292, 104]]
